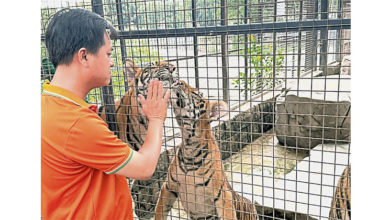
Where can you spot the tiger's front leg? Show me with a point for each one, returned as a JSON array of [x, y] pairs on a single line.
[[165, 202], [225, 206]]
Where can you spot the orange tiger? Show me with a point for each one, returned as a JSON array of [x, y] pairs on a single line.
[[132, 123], [196, 175], [341, 203]]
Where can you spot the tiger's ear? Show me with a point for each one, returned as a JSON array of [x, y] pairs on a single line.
[[217, 109], [130, 70]]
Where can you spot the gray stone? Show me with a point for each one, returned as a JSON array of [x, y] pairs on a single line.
[[244, 128], [317, 111]]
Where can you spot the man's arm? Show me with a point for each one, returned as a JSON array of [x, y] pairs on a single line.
[[144, 162]]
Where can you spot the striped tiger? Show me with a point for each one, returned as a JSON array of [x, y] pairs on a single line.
[[132, 71], [132, 123], [341, 202], [196, 175]]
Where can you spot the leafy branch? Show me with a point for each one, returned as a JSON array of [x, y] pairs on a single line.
[[263, 65]]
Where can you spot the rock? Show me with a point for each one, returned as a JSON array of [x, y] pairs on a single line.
[[232, 135], [318, 111]]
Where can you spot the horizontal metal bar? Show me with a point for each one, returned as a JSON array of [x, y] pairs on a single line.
[[240, 29], [332, 24]]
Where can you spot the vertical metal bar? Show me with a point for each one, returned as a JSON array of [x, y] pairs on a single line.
[[338, 33], [300, 43], [324, 38], [311, 37], [246, 51], [107, 91], [97, 7], [260, 11], [224, 50], [274, 48], [122, 42], [260, 17], [273, 88], [315, 36], [195, 39], [345, 33]]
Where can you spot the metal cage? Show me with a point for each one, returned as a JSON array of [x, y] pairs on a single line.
[[283, 68]]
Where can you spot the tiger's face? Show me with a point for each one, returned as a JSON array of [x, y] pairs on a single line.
[[192, 110], [161, 70], [188, 104]]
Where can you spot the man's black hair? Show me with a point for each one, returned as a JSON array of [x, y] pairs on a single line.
[[72, 29]]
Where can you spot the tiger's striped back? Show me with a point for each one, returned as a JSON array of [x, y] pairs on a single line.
[[341, 203]]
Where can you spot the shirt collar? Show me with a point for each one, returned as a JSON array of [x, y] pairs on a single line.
[[67, 95]]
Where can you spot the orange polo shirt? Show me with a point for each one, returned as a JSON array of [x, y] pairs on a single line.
[[79, 156]]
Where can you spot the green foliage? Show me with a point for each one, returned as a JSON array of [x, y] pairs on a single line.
[[141, 52], [261, 72], [236, 12]]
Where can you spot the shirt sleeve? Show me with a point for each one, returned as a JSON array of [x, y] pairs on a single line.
[[91, 143]]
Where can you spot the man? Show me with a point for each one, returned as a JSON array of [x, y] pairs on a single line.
[[83, 163]]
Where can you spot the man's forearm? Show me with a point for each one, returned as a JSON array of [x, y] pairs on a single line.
[[152, 146]]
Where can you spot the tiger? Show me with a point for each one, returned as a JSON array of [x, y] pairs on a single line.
[[196, 175], [341, 203], [132, 71], [132, 123]]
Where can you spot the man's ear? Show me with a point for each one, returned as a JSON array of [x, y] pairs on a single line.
[[217, 109], [81, 56]]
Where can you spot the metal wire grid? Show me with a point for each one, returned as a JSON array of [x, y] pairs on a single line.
[[225, 41]]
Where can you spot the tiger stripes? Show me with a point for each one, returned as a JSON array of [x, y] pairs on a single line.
[[132, 123], [196, 175], [341, 203]]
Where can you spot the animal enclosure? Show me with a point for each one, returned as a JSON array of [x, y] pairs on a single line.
[[273, 77]]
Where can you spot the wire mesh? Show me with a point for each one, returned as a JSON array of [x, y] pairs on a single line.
[[282, 67]]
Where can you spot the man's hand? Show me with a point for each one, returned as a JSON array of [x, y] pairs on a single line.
[[156, 104]]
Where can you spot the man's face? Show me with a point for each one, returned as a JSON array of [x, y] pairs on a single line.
[[101, 63]]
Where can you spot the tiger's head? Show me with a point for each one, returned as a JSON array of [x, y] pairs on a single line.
[[132, 71], [162, 70], [193, 111]]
